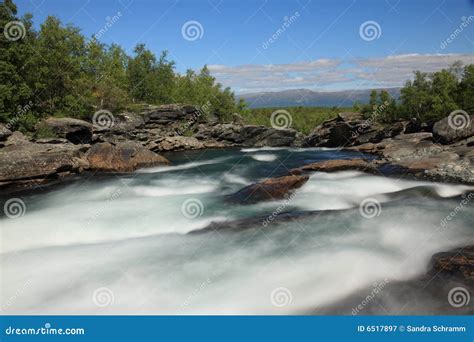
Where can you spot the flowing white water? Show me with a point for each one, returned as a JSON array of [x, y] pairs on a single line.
[[119, 245]]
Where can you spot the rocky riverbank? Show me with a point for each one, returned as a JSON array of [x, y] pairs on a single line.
[[127, 141]]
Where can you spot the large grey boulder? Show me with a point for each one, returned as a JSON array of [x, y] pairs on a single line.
[[449, 129]]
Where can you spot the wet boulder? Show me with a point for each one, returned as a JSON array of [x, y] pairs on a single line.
[[27, 162], [270, 189], [122, 157], [338, 165]]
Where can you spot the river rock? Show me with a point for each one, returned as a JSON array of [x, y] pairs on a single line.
[[269, 189], [445, 131], [247, 135], [32, 163], [74, 130], [456, 263], [177, 143], [274, 138], [337, 165], [122, 157], [417, 154]]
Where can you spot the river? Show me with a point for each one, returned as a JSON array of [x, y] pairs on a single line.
[[122, 244]]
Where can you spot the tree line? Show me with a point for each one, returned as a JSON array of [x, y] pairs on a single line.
[[57, 71], [428, 97]]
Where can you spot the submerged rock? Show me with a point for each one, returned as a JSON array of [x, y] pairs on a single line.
[[457, 263], [122, 157], [269, 189], [337, 165]]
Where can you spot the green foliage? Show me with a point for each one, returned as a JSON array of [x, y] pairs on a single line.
[[304, 119], [43, 131], [428, 97], [64, 74]]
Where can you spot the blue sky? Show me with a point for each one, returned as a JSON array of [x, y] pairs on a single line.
[[322, 46]]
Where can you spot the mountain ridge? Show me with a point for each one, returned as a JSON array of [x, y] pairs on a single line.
[[310, 98]]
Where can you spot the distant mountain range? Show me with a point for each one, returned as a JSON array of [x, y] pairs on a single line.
[[310, 98]]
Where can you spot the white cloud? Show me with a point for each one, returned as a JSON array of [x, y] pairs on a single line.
[[327, 74]]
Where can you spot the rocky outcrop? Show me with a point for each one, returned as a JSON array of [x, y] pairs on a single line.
[[4, 132], [270, 189], [29, 163], [419, 155], [248, 135], [448, 130], [74, 130], [350, 129], [168, 113], [126, 122], [338, 165], [122, 157], [16, 138], [178, 143]]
